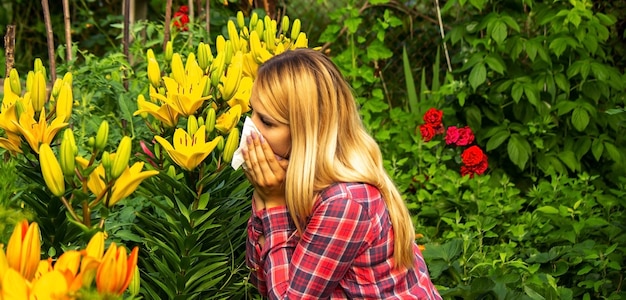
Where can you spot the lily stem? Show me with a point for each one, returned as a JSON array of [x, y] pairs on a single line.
[[70, 209]]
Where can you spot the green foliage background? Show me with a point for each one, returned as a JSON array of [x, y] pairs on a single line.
[[541, 83]]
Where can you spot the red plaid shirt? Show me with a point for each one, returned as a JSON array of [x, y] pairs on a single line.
[[345, 251]]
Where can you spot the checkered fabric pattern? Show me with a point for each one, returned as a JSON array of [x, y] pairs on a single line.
[[345, 251]]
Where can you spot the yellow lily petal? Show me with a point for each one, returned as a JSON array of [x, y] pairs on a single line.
[[164, 113], [116, 270], [242, 97], [128, 182], [19, 288], [51, 286], [228, 119], [24, 249], [188, 152]]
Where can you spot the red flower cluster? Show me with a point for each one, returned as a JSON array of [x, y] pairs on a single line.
[[432, 124], [181, 18], [474, 159]]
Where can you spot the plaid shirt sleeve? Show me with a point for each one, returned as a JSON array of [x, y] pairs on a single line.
[[311, 266]]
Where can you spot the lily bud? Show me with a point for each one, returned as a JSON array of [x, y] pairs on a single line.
[[102, 136], [232, 143], [65, 102], [68, 78], [14, 79], [91, 142], [203, 57], [200, 121], [295, 29], [192, 125], [56, 88], [68, 153], [23, 250], [19, 108], [217, 68], [220, 143], [39, 67], [285, 24], [169, 51], [135, 283], [106, 163], [38, 92], [240, 19], [210, 120], [254, 18], [178, 70], [51, 170], [30, 80], [171, 172], [122, 156], [154, 72], [233, 35]]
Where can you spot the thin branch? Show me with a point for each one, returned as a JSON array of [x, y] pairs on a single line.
[[168, 20], [443, 36], [207, 17], [50, 36], [9, 49], [68, 32], [126, 29]]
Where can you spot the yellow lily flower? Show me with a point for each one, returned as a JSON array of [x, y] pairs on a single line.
[[37, 133], [24, 249], [19, 286], [128, 182], [116, 270], [12, 143], [184, 99], [242, 97], [228, 119], [9, 114], [52, 285], [91, 257], [164, 113], [95, 183], [4, 264], [188, 151]]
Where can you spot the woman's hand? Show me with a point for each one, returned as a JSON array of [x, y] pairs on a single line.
[[266, 172]]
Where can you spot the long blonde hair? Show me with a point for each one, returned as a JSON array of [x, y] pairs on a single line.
[[304, 89]]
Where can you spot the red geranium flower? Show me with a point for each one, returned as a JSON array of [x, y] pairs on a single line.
[[472, 156], [181, 18], [433, 117], [427, 131], [452, 135], [478, 169], [466, 136]]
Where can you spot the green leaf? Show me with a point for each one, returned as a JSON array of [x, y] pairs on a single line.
[[495, 64], [550, 210], [612, 151], [353, 24], [517, 91], [597, 147], [570, 160], [580, 119], [478, 75], [518, 150], [410, 83], [497, 139], [562, 82], [499, 31]]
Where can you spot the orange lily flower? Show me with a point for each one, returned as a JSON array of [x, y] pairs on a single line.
[[24, 249], [116, 270]]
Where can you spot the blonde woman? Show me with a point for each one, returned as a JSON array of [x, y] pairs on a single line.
[[327, 221]]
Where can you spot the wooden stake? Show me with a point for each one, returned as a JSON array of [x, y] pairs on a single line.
[[68, 30], [9, 49], [50, 37]]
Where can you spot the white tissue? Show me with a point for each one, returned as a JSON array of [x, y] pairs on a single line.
[[248, 128]]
